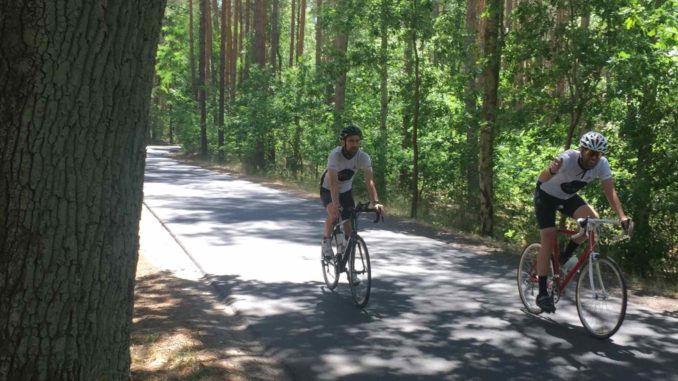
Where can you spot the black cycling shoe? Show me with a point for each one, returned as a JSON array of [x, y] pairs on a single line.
[[545, 302]]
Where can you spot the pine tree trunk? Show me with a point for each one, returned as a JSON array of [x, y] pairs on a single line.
[[260, 22], [292, 30], [470, 163], [492, 52], [202, 77], [222, 83], [415, 129], [318, 33], [275, 37], [382, 142], [73, 120], [302, 26], [191, 49]]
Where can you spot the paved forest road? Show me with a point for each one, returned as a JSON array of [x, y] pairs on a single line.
[[441, 309]]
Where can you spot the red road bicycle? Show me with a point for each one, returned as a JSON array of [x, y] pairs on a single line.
[[600, 292]]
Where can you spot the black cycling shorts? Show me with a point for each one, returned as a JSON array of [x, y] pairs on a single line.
[[545, 207], [345, 200]]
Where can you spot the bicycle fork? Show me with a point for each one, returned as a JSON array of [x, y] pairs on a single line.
[[594, 273]]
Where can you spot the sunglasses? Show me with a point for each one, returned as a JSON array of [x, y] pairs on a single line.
[[591, 153]]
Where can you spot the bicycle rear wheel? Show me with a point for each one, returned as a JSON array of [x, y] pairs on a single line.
[[359, 274], [330, 267], [528, 279], [601, 297]]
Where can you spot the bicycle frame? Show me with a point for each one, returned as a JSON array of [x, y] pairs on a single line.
[[590, 231], [350, 243]]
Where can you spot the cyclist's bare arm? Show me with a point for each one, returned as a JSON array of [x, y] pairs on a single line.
[[612, 198], [551, 170], [333, 208], [372, 188]]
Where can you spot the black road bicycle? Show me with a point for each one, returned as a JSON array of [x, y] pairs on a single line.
[[352, 253]]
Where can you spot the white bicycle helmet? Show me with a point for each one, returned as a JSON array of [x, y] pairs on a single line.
[[595, 141]]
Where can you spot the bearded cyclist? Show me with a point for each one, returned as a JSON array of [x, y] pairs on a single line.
[[336, 183], [557, 188]]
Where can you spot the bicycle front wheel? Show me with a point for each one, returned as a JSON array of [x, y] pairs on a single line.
[[528, 279], [601, 297], [359, 274]]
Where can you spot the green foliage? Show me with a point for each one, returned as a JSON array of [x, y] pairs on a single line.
[[605, 65]]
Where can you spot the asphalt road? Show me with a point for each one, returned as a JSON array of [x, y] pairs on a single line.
[[442, 308]]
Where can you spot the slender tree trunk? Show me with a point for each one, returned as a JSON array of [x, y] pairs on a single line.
[[470, 162], [406, 142], [275, 37], [293, 30], [492, 51], [191, 49], [318, 33], [302, 26], [222, 82], [341, 46], [415, 130], [74, 115], [228, 70], [202, 81], [382, 143]]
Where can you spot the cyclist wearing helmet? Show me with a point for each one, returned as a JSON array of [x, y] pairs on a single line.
[[557, 188], [337, 180]]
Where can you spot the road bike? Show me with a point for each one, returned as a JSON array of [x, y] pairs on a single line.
[[600, 292], [352, 252]]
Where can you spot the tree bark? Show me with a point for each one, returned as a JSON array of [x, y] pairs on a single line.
[[492, 52], [275, 37], [191, 49], [302, 26], [76, 80], [260, 22], [202, 77], [415, 129], [292, 30], [318, 33], [222, 82]]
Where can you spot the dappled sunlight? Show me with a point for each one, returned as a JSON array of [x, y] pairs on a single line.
[[440, 308]]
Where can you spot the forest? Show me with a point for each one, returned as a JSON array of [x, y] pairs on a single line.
[[462, 103]]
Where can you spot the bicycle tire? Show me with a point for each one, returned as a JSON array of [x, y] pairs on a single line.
[[601, 308], [359, 274], [528, 280], [330, 267]]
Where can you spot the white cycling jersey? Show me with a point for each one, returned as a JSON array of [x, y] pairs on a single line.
[[572, 177], [345, 168]]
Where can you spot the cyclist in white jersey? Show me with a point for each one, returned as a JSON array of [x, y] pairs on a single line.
[[337, 181], [557, 188]]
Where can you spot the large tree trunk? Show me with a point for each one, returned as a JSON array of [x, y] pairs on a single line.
[[492, 52], [76, 80]]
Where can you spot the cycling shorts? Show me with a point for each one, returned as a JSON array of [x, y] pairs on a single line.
[[345, 200], [545, 207]]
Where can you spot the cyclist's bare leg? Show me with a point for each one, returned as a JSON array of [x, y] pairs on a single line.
[[329, 221], [348, 228], [582, 212], [548, 238]]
